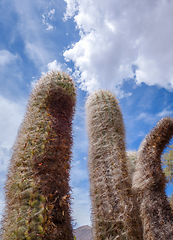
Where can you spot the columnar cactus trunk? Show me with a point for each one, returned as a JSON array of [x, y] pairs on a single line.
[[37, 187], [113, 211], [149, 183]]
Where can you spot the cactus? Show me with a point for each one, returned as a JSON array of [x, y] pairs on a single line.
[[149, 183], [127, 189], [131, 163], [114, 214], [37, 187]]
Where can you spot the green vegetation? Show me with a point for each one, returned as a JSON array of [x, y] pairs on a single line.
[[167, 159]]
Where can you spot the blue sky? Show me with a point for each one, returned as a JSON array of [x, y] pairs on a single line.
[[120, 46]]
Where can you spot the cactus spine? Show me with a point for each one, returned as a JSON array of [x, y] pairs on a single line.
[[113, 211], [37, 186], [149, 183]]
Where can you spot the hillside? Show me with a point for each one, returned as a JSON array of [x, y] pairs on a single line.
[[83, 233]]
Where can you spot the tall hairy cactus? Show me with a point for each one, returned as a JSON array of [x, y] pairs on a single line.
[[149, 183], [114, 214], [37, 186]]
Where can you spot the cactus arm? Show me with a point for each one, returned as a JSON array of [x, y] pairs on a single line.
[[112, 204], [37, 186], [149, 183]]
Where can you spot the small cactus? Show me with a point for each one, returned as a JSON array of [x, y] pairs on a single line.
[[149, 183], [37, 186], [113, 209]]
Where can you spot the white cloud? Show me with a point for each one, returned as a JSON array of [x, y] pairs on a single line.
[[54, 66], [57, 66], [78, 128], [153, 118], [30, 18], [7, 57], [141, 134], [33, 83], [47, 17], [51, 14], [165, 112], [36, 52], [147, 117], [5, 153], [76, 163], [78, 173], [49, 27], [12, 117], [118, 34], [81, 206], [71, 8]]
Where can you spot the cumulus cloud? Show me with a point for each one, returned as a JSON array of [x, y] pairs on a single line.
[[71, 8], [117, 37], [54, 66]]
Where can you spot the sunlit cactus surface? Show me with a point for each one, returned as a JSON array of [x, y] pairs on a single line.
[[114, 214]]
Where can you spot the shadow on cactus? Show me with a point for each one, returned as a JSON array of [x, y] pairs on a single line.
[[37, 187]]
